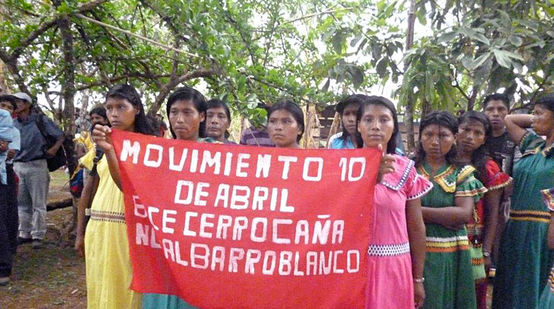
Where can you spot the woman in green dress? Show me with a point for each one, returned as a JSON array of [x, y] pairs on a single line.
[[446, 209], [524, 258]]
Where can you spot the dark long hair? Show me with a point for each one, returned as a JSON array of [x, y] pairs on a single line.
[[382, 101], [215, 103], [100, 111], [294, 109], [197, 99], [129, 93], [351, 99], [546, 101], [479, 157], [442, 119]]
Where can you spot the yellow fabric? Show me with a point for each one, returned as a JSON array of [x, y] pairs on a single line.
[[86, 139], [88, 159], [108, 265]]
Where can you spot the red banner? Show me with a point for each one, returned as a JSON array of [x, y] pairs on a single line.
[[247, 227]]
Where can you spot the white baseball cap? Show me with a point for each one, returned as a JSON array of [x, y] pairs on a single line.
[[23, 96]]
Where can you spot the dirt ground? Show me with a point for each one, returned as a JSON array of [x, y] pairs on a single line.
[[50, 277]]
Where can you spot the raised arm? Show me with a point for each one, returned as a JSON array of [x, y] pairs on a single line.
[[516, 126], [102, 137]]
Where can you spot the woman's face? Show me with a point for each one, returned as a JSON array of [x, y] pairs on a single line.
[[97, 119], [376, 126], [543, 121], [185, 120], [436, 141], [121, 114], [217, 123], [471, 135], [349, 117], [283, 129]]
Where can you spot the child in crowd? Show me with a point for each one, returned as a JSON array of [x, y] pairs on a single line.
[[6, 250]]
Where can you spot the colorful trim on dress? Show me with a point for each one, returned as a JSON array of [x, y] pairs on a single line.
[[530, 215], [471, 193], [403, 179], [389, 250], [447, 244], [440, 179], [464, 173], [422, 193], [501, 185], [551, 280], [548, 198], [107, 216]]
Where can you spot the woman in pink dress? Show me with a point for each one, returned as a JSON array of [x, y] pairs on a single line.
[[397, 245]]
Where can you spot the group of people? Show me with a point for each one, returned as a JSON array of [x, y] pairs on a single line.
[[444, 218], [27, 139]]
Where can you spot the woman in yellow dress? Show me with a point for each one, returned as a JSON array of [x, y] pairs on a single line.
[[108, 265]]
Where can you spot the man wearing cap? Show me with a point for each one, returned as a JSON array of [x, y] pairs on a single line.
[[32, 169]]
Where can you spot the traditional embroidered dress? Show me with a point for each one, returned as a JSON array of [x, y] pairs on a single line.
[[547, 296], [390, 280], [524, 259], [496, 179], [108, 265], [448, 272]]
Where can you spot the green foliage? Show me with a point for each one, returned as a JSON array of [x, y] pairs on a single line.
[[249, 52]]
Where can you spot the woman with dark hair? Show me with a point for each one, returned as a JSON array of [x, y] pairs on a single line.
[[524, 258], [347, 108], [446, 210], [397, 248], [473, 131], [186, 111], [108, 270], [285, 124], [218, 121]]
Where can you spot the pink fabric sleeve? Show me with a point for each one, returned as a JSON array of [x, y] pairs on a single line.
[[416, 186]]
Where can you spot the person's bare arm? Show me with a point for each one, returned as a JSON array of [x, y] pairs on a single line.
[[516, 126], [101, 136], [491, 205], [451, 216], [84, 202], [416, 234]]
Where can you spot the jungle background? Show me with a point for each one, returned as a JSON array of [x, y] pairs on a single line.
[[423, 54]]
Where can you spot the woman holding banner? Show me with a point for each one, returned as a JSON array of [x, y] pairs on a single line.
[[397, 248], [108, 265], [186, 111], [446, 210]]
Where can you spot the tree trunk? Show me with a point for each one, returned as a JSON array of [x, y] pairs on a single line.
[[471, 101], [409, 112], [3, 85], [425, 108], [68, 91]]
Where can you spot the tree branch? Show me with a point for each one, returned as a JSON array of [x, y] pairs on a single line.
[[164, 91], [24, 43]]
